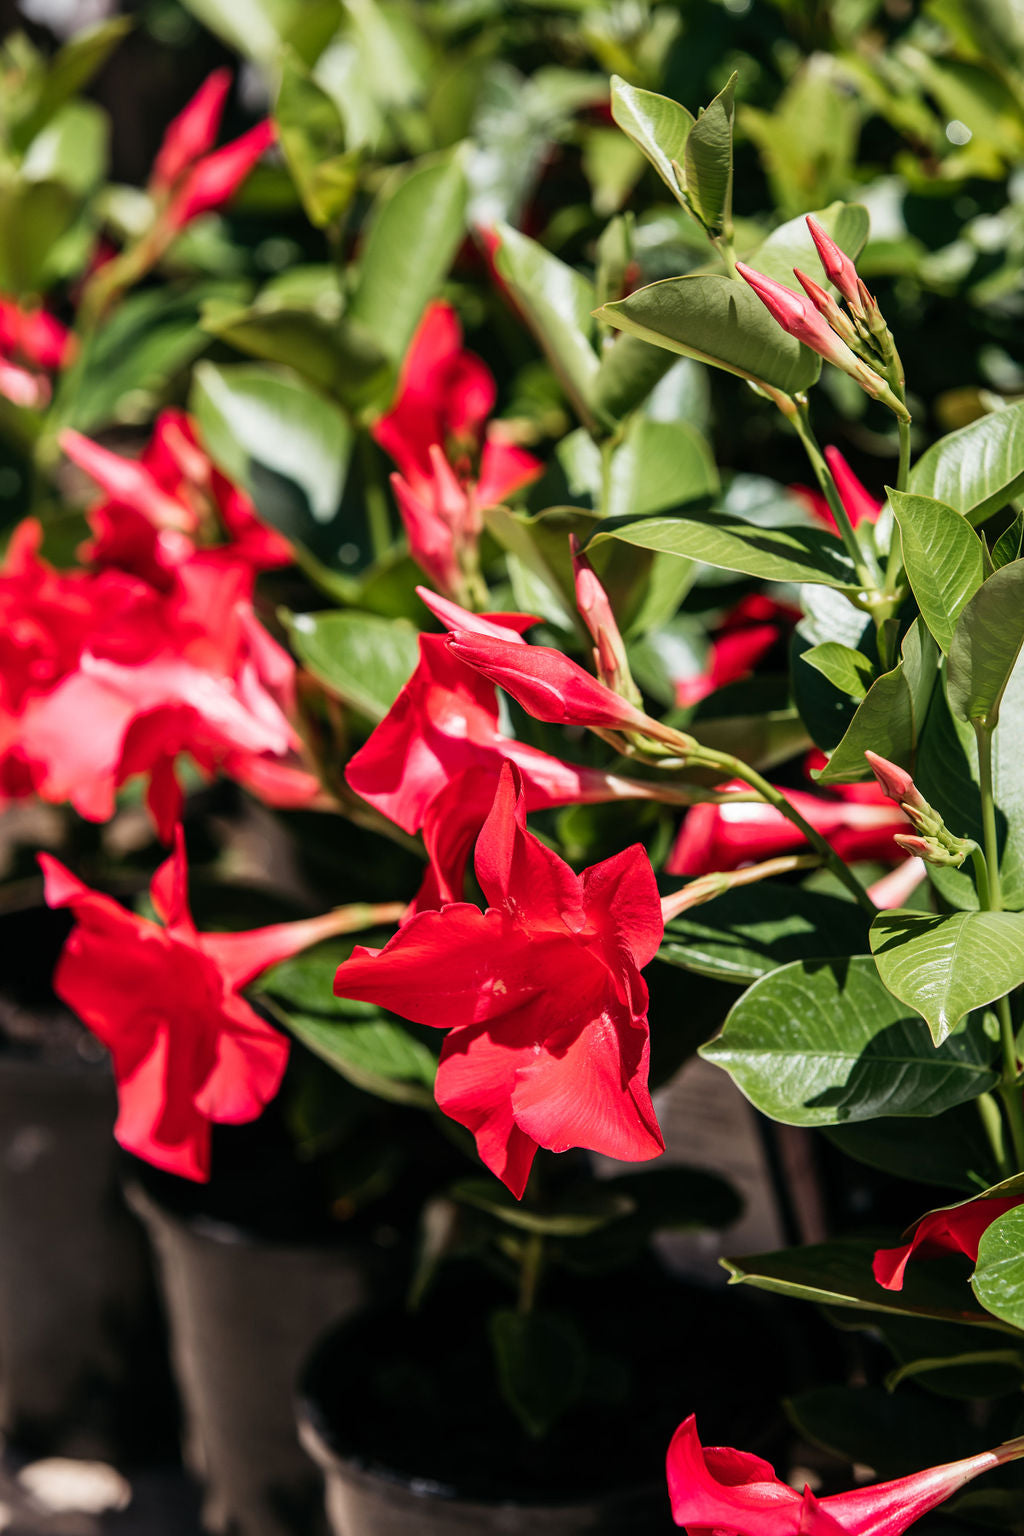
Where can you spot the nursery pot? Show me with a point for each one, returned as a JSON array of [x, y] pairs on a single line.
[[242, 1310], [81, 1351], [402, 1413]]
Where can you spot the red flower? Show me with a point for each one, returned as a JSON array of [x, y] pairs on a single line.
[[187, 179], [733, 1493], [860, 505], [957, 1229], [33, 344], [542, 996], [433, 433], [445, 721], [187, 1050], [720, 837], [746, 634]]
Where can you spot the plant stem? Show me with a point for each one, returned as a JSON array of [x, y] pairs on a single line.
[[868, 579], [377, 515], [904, 464], [992, 1121], [530, 1269], [980, 863], [607, 450], [1009, 1085], [734, 768]]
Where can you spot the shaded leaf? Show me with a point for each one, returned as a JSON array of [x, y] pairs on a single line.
[[541, 1364], [977, 469], [944, 560], [891, 717], [708, 162], [743, 934], [985, 646]]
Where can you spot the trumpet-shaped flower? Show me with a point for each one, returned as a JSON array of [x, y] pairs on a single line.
[[733, 1493], [187, 1050], [541, 995], [957, 1229]]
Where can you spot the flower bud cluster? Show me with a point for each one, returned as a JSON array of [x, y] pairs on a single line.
[[857, 339], [932, 839]]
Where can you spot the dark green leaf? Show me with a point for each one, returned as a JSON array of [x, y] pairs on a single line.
[[720, 321], [892, 715], [581, 1211], [998, 1280], [306, 981], [944, 559], [708, 162], [946, 1152], [977, 469], [364, 659], [774, 554], [628, 371], [541, 1365], [1009, 544], [678, 1198], [746, 933], [820, 1042], [413, 232], [378, 1055], [894, 1435], [336, 354], [945, 967], [985, 646], [71, 69]]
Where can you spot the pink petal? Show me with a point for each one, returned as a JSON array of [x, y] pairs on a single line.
[[621, 899], [504, 468], [518, 873], [169, 891], [250, 1062]]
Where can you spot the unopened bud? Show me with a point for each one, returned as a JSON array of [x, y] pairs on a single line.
[[838, 267], [827, 307], [596, 612], [896, 783], [932, 851]]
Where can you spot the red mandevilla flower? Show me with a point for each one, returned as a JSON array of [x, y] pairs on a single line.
[[445, 721], [433, 432], [744, 636], [541, 994], [187, 1051], [860, 505], [187, 179], [33, 344], [956, 1229], [733, 1493]]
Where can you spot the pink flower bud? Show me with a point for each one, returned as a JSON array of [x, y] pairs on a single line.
[[839, 269], [547, 684], [896, 783], [596, 611], [801, 319], [192, 133], [827, 307], [215, 180]]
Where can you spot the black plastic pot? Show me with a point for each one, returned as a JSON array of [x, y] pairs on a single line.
[[403, 1415], [82, 1370], [242, 1312]]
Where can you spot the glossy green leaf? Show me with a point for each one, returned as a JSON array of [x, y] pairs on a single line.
[[335, 353], [985, 646], [707, 162], [557, 302], [774, 554], [363, 659], [791, 245], [998, 1279], [821, 1042], [377, 1055], [413, 232], [944, 967], [282, 440], [657, 125], [1010, 543], [944, 560], [750, 931], [977, 469], [312, 136], [838, 1274], [541, 1364], [850, 671], [890, 719], [719, 321]]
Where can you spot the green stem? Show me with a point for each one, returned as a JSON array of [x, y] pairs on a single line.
[[981, 877], [378, 516], [868, 579], [992, 1122], [1009, 1086], [983, 732], [732, 767], [607, 451], [530, 1270], [725, 248], [903, 469]]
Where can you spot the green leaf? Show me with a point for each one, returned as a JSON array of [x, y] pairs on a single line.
[[719, 321], [378, 1055], [871, 1426], [312, 136], [628, 372], [1009, 544], [306, 981], [658, 127], [944, 967], [363, 659], [283, 441], [947, 1152], [580, 1212], [336, 354], [258, 28], [850, 671], [892, 715], [743, 935], [69, 72], [998, 1279], [791, 245], [34, 216], [661, 464], [773, 554], [838, 1274], [977, 469], [985, 646], [541, 1365], [412, 235], [556, 301], [944, 559], [821, 1042], [708, 162]]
